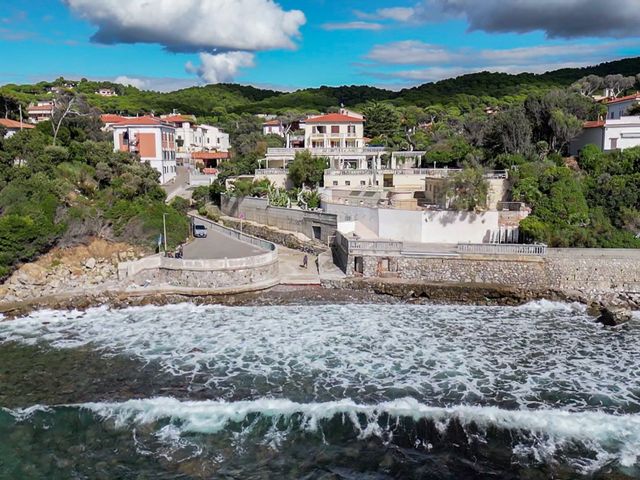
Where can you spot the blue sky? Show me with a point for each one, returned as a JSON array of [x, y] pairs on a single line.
[[290, 44]]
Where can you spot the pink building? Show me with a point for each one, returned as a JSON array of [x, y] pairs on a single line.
[[150, 138]]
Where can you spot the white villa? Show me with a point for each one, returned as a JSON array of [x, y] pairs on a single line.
[[340, 138], [617, 132], [192, 137]]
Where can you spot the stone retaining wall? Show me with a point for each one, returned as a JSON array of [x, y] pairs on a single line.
[[209, 279], [592, 272], [315, 225]]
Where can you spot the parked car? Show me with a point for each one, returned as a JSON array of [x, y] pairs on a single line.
[[199, 230]]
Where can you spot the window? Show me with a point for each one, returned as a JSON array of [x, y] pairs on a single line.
[[335, 128], [347, 183], [614, 144], [362, 183], [335, 183], [351, 129]]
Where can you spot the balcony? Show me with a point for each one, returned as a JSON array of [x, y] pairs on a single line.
[[320, 136], [426, 172], [290, 152]]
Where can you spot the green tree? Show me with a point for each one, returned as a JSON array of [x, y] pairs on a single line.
[[382, 122], [307, 169], [468, 189]]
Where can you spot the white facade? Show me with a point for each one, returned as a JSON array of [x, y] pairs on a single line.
[[618, 134], [619, 107], [106, 92], [152, 140], [191, 137], [334, 131], [273, 127], [441, 227], [214, 139]]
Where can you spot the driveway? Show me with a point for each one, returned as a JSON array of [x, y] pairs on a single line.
[[179, 187], [217, 246]]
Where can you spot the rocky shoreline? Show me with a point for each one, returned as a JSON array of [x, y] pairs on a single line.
[[610, 311], [85, 276]]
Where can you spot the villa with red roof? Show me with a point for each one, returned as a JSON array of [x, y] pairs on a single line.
[[152, 139], [618, 107], [618, 131], [339, 137], [40, 111], [12, 127]]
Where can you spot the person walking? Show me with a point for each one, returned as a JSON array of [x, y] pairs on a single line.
[[305, 261]]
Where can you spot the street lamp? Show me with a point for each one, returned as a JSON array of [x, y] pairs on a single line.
[[164, 225]]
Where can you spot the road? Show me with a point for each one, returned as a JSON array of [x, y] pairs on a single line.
[[217, 246], [178, 188]]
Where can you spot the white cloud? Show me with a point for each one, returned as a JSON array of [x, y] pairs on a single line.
[[139, 83], [158, 84], [411, 52], [193, 25], [221, 67], [353, 26], [399, 14], [434, 74], [438, 62]]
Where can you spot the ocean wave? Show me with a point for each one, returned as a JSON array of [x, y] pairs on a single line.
[[536, 435], [543, 354]]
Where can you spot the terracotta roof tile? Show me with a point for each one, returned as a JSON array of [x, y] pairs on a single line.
[[334, 118], [141, 121], [635, 96], [12, 124], [594, 124], [210, 155]]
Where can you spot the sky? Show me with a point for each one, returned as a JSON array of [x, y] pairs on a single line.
[[289, 44]]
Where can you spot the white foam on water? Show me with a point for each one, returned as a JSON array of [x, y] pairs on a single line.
[[546, 433], [541, 355], [22, 414]]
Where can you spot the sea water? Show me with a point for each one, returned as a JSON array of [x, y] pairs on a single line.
[[328, 392]]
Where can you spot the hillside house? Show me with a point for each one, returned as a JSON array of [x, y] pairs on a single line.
[[12, 127], [608, 135], [41, 111], [619, 107], [192, 137], [106, 92], [150, 138]]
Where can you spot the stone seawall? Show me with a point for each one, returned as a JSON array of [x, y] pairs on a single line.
[[210, 279], [592, 272]]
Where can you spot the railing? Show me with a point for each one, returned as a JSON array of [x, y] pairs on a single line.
[[348, 171], [408, 154], [356, 246], [272, 171], [243, 237], [334, 135], [327, 151], [427, 172], [502, 249], [511, 206]]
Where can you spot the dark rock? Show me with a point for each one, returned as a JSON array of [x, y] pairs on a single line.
[[611, 317]]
